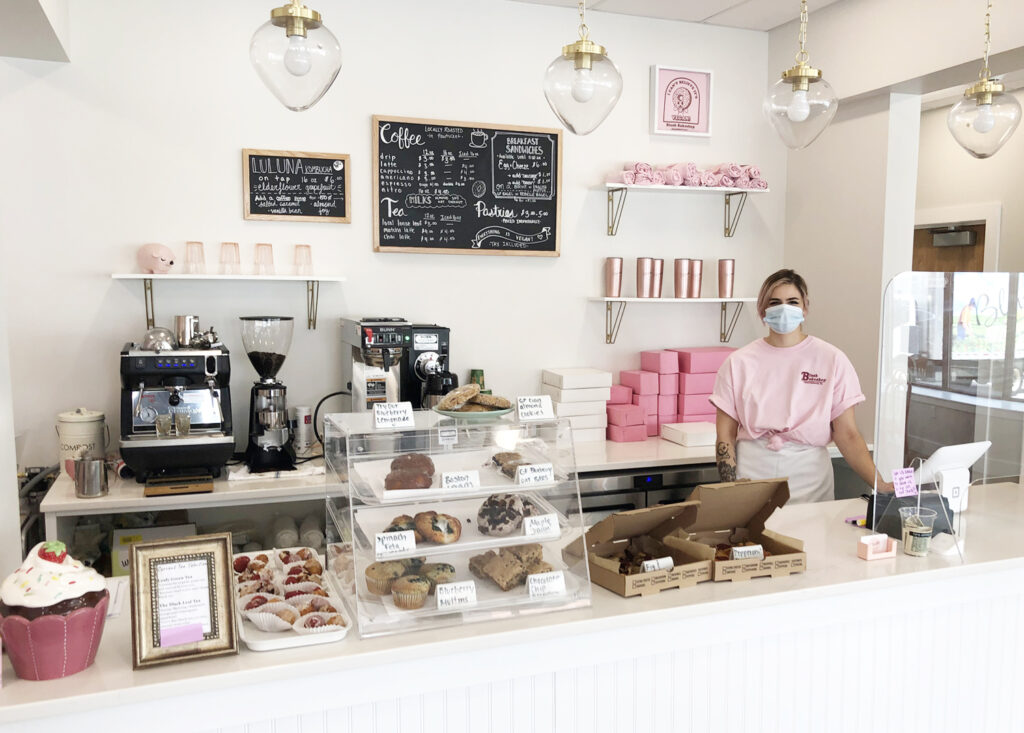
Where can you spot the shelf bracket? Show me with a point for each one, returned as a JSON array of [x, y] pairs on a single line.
[[616, 202], [613, 319], [733, 220], [312, 303], [147, 295], [728, 325]]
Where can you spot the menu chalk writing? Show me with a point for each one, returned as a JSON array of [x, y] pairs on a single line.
[[392, 544], [465, 188], [535, 473], [451, 596], [903, 482], [183, 601], [460, 480], [543, 525], [284, 185], [659, 563], [393, 415], [546, 585], [535, 408]]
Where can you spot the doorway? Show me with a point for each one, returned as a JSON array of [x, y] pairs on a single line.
[[954, 248]]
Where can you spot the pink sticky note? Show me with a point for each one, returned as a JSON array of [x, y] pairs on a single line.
[[903, 482], [181, 635]]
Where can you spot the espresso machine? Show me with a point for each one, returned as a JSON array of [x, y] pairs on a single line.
[[266, 340], [161, 379], [426, 371], [373, 363]]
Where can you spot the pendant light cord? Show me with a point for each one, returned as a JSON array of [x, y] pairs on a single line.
[[985, 72], [802, 57], [584, 30]]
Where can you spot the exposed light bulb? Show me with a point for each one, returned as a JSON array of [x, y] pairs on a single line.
[[985, 120], [582, 86], [297, 58], [798, 109]]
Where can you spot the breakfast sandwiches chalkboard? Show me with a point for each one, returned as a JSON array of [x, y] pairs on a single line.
[[465, 188], [285, 185]]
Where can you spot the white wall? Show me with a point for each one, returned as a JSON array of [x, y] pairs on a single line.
[[138, 140]]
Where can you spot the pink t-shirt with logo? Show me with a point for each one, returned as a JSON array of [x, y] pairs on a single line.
[[786, 394]]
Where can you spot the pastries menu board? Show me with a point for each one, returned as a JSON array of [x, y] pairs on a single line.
[[284, 185], [465, 188]]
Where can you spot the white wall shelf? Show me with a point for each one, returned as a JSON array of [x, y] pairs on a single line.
[[312, 288], [615, 308], [617, 201]]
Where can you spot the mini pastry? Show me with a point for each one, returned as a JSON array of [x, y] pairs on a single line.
[[413, 462], [402, 479], [240, 563], [317, 605], [528, 554], [313, 567], [255, 602], [380, 576], [404, 523], [410, 591], [492, 401], [458, 397], [440, 528], [500, 515], [285, 614], [437, 572]]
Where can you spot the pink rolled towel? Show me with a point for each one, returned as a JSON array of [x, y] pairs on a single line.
[[759, 184], [658, 178], [710, 179], [752, 170], [727, 182], [695, 181], [728, 169], [743, 182], [643, 180], [672, 175], [639, 167], [626, 177], [689, 170]]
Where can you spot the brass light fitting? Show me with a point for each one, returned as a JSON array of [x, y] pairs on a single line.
[[582, 51], [801, 76], [295, 18]]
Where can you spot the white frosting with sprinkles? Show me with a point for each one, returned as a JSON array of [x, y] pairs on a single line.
[[39, 583]]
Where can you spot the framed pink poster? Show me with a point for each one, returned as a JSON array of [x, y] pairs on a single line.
[[680, 101]]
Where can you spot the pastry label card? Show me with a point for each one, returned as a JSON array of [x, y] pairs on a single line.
[[460, 480], [903, 482], [546, 585], [537, 407], [545, 525], [658, 563], [747, 552], [448, 436], [393, 415], [534, 474], [392, 544], [452, 596]]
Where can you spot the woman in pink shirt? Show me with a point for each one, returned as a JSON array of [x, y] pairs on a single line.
[[783, 398]]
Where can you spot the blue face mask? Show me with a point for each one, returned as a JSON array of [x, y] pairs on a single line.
[[783, 318]]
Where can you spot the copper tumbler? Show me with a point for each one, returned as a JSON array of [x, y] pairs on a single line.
[[682, 278], [644, 271], [726, 273], [696, 275], [657, 272], [613, 277]]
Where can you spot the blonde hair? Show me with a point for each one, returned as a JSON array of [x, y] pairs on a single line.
[[782, 277]]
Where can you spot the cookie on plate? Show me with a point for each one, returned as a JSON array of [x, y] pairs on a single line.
[[492, 401], [473, 407], [459, 396]]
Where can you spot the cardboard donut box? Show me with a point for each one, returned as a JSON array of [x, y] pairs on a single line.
[[727, 513]]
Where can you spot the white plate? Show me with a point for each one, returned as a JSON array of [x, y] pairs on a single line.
[[474, 416]]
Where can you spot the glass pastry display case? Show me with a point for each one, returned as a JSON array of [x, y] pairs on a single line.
[[451, 521]]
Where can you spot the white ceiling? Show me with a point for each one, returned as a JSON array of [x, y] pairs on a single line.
[[758, 15]]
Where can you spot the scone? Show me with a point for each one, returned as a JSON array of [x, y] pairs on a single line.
[[440, 528], [458, 397], [500, 515], [405, 479]]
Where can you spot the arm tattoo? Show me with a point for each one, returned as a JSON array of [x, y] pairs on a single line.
[[726, 462]]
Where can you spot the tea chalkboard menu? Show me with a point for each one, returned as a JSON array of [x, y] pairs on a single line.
[[285, 185], [465, 188]]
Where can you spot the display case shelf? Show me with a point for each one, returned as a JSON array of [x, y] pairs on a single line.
[[617, 193], [615, 308]]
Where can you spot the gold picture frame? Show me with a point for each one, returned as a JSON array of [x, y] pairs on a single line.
[[182, 600]]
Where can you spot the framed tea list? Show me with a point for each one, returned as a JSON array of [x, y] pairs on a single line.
[[680, 101]]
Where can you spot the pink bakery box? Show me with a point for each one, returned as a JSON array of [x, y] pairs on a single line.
[[647, 401], [621, 395], [627, 434], [697, 383], [691, 404], [702, 359], [667, 404], [710, 417], [669, 384], [625, 415], [653, 426], [662, 362], [641, 382]]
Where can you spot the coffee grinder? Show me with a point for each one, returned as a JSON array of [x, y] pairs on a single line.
[[266, 340]]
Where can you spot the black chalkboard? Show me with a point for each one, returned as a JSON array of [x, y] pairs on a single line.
[[465, 188], [285, 185]]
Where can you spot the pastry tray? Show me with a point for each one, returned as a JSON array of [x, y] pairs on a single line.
[[373, 519], [367, 477]]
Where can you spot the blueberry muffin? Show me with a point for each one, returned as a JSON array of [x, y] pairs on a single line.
[[380, 576], [410, 591], [437, 572]]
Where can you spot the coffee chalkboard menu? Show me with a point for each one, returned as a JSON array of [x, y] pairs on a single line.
[[284, 185], [465, 188]]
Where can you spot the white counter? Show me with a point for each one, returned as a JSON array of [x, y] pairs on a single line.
[[813, 651]]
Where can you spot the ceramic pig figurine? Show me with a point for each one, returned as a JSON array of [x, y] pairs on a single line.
[[155, 259]]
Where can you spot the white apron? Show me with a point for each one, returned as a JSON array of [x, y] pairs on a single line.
[[808, 468]]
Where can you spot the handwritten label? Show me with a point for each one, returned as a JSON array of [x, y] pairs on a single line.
[[749, 552], [546, 585], [390, 544], [537, 407], [451, 596], [903, 482], [658, 563], [460, 480], [544, 525], [448, 436], [393, 415], [535, 473]]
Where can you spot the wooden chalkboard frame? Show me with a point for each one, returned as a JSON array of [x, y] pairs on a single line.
[[246, 196], [375, 176]]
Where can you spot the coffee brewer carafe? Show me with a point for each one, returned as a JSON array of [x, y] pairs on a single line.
[[373, 363], [266, 340]]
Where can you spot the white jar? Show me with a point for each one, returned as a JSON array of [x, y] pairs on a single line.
[[80, 432]]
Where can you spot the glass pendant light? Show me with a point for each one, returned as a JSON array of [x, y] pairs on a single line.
[[582, 85], [297, 65], [986, 117], [801, 104]]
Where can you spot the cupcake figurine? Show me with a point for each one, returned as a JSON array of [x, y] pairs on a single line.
[[53, 609]]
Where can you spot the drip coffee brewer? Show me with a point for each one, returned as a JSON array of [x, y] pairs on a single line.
[[266, 340]]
